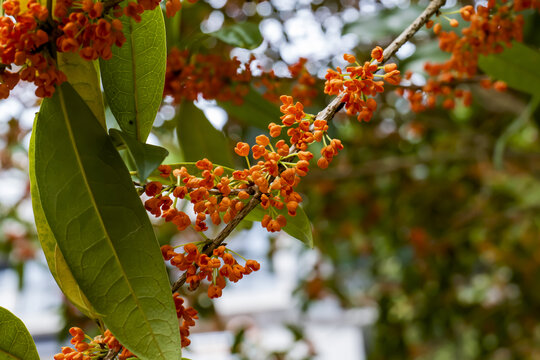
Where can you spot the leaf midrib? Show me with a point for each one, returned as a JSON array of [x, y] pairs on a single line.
[[93, 200], [134, 76], [2, 351]]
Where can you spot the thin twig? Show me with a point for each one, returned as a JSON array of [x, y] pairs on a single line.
[[220, 238], [408, 33], [326, 114], [329, 111], [111, 354]]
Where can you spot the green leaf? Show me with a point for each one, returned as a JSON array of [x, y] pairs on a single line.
[[517, 66], [297, 226], [15, 340], [133, 79], [255, 110], [55, 260], [245, 35], [145, 156], [101, 227], [198, 138], [83, 76]]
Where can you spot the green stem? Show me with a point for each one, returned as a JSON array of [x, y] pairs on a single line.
[[235, 253]]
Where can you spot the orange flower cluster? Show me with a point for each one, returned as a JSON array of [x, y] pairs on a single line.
[[187, 314], [95, 349], [201, 266], [99, 346], [221, 195], [21, 42], [303, 131], [211, 76], [87, 29], [490, 27], [211, 194], [215, 77], [359, 83]]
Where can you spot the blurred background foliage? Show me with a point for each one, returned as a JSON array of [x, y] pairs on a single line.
[[420, 217]]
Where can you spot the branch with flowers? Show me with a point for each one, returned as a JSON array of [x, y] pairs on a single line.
[[95, 233]]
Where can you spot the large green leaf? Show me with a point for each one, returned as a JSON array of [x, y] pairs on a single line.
[[15, 340], [255, 110], [198, 138], [57, 264], [245, 35], [133, 79], [146, 157], [84, 77], [102, 228], [516, 65], [299, 226]]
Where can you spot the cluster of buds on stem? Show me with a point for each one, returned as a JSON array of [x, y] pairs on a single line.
[[190, 75], [360, 83], [186, 316], [31, 35], [489, 28], [216, 268], [94, 348]]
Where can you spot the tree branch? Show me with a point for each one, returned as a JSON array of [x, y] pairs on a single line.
[[329, 111], [208, 249], [326, 114], [111, 354], [408, 33]]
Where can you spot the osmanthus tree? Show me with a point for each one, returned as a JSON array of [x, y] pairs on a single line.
[[87, 180]]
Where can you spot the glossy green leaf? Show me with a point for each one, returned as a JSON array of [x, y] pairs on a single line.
[[517, 66], [15, 340], [83, 76], [146, 157], [55, 260], [133, 79], [255, 110], [245, 35], [299, 226], [198, 138], [101, 227]]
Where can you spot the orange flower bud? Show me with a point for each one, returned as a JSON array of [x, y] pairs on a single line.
[[322, 163], [262, 140], [390, 67], [349, 58], [377, 53], [242, 149]]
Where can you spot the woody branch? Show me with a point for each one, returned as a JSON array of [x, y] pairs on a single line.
[[326, 114]]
